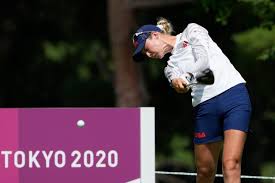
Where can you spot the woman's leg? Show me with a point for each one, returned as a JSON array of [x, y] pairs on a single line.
[[206, 157], [234, 141]]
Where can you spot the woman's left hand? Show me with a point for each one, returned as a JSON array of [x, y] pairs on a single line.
[[179, 85]]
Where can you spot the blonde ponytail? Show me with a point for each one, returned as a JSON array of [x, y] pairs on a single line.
[[165, 25]]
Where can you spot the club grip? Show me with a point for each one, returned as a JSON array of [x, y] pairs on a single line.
[[206, 77]]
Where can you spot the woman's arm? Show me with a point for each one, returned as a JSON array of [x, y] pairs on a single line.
[[199, 40], [173, 74]]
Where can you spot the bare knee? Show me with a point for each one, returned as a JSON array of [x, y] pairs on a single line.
[[231, 164], [206, 171]]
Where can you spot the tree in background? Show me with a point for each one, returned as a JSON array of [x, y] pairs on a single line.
[[129, 87]]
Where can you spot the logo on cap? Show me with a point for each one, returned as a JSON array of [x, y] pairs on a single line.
[[135, 43]]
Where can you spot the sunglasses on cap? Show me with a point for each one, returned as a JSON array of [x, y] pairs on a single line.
[[143, 35]]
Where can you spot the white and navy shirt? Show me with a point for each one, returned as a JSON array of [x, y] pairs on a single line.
[[195, 51]]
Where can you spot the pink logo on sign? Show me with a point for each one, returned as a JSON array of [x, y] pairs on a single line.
[[69, 145]]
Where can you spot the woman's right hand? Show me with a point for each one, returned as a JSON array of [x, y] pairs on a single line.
[[179, 85]]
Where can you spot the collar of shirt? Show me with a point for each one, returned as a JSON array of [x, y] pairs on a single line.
[[178, 37]]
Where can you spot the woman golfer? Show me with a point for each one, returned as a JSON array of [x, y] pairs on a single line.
[[221, 110]]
